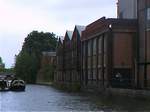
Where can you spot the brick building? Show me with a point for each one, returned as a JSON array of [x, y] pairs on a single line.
[[141, 11], [127, 9], [59, 61], [48, 60], [69, 57], [107, 53], [143, 41], [76, 53], [111, 52], [67, 71]]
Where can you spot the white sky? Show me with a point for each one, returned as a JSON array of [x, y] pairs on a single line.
[[19, 17]]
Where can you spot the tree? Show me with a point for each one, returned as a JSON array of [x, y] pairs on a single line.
[[2, 65], [3, 69], [28, 60], [1, 60]]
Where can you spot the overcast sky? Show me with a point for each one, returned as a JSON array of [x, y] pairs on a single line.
[[19, 17]]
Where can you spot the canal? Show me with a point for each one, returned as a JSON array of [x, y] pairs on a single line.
[[46, 98]]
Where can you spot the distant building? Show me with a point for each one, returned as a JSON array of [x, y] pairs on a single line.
[[59, 76], [127, 9], [48, 58], [63, 52], [67, 57], [76, 53]]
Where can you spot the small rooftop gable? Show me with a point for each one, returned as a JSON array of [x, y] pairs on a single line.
[[61, 39], [80, 28], [68, 35]]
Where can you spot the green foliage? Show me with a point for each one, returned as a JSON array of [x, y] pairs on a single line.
[[1, 60], [28, 61], [26, 67], [7, 70], [37, 42], [2, 65]]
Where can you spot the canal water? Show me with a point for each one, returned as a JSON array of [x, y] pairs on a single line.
[[46, 98]]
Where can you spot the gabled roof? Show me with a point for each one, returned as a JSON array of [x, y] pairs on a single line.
[[61, 39], [104, 24], [80, 28], [60, 42], [78, 31], [68, 35]]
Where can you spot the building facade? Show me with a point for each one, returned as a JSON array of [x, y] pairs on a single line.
[[59, 62], [67, 73], [69, 57], [99, 55], [127, 9], [110, 52], [107, 53], [76, 53], [143, 41], [48, 60]]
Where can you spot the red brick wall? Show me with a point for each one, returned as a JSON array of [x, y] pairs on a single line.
[[122, 49], [148, 58], [148, 46]]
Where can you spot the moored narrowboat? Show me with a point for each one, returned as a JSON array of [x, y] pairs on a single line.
[[17, 85]]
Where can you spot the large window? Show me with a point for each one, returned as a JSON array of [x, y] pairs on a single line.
[[94, 53], [100, 45], [94, 61], [94, 46], [100, 60], [84, 54], [89, 62], [84, 49], [89, 53], [100, 51], [105, 44], [89, 48], [100, 74], [148, 13], [94, 74], [89, 74], [105, 50], [148, 18]]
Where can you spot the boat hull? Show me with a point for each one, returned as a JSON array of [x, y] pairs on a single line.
[[17, 88]]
